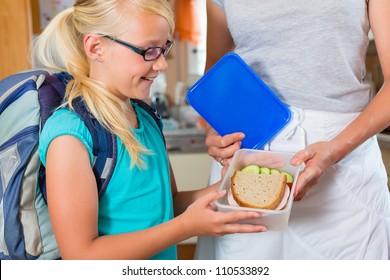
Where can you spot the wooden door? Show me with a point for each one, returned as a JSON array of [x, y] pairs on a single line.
[[15, 36]]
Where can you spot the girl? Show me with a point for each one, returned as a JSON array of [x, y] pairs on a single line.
[[114, 49]]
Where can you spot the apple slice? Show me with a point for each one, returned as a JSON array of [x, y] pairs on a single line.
[[251, 168], [265, 170], [274, 171]]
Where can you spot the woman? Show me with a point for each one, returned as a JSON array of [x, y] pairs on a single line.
[[312, 55]]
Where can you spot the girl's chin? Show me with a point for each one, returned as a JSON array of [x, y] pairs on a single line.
[[142, 93]]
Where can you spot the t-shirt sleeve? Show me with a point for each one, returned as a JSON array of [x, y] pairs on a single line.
[[64, 122], [219, 3]]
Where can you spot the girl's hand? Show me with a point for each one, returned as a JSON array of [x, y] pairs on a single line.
[[317, 157], [222, 148], [201, 219]]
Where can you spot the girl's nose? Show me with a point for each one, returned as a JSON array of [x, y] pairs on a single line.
[[160, 64]]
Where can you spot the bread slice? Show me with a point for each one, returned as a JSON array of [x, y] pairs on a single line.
[[258, 190]]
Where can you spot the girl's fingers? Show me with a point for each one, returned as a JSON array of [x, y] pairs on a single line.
[[235, 216], [227, 221], [210, 197], [243, 228]]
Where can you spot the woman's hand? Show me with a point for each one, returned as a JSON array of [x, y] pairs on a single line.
[[317, 157], [201, 219], [222, 148]]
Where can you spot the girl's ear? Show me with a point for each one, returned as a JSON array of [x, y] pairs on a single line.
[[93, 47]]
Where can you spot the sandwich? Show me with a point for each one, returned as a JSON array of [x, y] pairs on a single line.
[[265, 191]]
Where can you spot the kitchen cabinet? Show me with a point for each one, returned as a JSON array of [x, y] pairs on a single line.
[[191, 170]]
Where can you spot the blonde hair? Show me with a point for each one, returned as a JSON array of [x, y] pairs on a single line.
[[60, 47]]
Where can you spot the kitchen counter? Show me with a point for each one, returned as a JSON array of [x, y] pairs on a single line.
[[186, 140]]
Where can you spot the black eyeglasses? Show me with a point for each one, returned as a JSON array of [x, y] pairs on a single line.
[[149, 54]]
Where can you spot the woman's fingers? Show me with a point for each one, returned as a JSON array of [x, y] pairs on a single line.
[[301, 157], [219, 141], [223, 147], [316, 161]]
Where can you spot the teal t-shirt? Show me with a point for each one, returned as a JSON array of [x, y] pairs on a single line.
[[135, 199]]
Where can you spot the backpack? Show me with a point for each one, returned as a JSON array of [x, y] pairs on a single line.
[[27, 100]]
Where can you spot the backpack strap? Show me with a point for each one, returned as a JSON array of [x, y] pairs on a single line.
[[153, 113], [104, 147], [50, 95]]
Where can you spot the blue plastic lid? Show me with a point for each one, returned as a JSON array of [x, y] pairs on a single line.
[[232, 98]]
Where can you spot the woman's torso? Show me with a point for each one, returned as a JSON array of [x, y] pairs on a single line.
[[311, 53]]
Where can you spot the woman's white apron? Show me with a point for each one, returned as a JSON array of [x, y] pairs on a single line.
[[345, 216]]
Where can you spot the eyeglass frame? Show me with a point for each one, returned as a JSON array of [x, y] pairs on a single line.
[[164, 51]]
